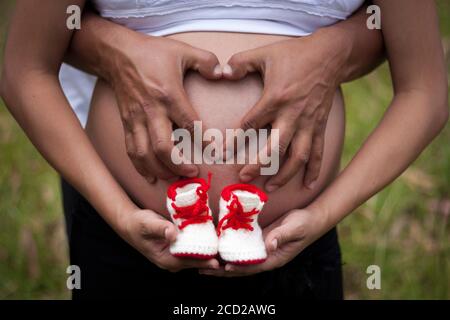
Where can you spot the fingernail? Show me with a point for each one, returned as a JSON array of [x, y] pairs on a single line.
[[272, 187], [213, 265], [227, 70], [246, 178], [166, 233], [217, 70], [228, 267], [311, 185], [274, 244], [192, 173]]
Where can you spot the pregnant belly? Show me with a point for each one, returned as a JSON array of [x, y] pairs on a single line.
[[220, 105]]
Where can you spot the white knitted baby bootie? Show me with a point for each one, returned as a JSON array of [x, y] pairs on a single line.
[[240, 236], [187, 202]]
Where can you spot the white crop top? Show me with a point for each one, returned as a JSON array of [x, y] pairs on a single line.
[[283, 17], [164, 17]]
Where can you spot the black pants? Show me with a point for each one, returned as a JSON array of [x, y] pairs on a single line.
[[110, 268]]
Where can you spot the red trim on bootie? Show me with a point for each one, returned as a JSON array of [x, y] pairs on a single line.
[[227, 191], [172, 190], [237, 218], [194, 255], [247, 262], [197, 212]]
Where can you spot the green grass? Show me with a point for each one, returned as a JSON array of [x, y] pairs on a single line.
[[404, 229]]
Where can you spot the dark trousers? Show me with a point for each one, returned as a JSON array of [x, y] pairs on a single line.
[[110, 268]]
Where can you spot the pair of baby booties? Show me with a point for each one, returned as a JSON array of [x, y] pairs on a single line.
[[237, 238]]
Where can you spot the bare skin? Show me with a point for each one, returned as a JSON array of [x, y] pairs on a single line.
[[418, 112], [296, 99], [30, 88], [219, 104]]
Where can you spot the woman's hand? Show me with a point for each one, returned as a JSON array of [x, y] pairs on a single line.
[[300, 77], [151, 235], [285, 239], [147, 74]]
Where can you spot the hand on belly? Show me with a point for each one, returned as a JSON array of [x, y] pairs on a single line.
[[220, 105]]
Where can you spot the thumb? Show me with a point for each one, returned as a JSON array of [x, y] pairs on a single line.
[[155, 227], [280, 236], [170, 233], [242, 63], [205, 62]]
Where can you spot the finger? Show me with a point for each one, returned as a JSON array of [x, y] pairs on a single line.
[[216, 273], [170, 234], [315, 161], [144, 156], [242, 63], [220, 272], [177, 264], [281, 235], [158, 228], [246, 270], [181, 111], [183, 114], [259, 116], [130, 127], [232, 270], [205, 62], [266, 230], [160, 130], [280, 137], [253, 169], [299, 151], [131, 152]]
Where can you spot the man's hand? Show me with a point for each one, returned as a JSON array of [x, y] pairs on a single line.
[[284, 239], [147, 74], [148, 82], [151, 235], [300, 78]]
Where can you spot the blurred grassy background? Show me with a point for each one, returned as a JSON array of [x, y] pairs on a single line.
[[404, 229]]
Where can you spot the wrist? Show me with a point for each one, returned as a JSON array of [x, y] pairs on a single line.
[[338, 45], [121, 218], [319, 209], [113, 52], [115, 208]]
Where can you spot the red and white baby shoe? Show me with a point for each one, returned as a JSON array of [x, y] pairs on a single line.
[[240, 236], [187, 202]]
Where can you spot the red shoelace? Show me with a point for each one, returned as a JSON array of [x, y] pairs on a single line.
[[198, 212], [236, 218]]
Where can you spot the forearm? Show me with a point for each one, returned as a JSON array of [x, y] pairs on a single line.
[[417, 113], [406, 129], [360, 49], [97, 48], [30, 88], [41, 109]]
